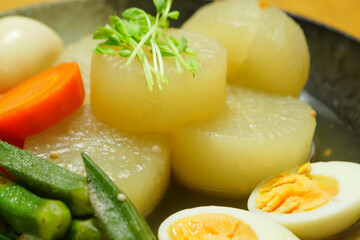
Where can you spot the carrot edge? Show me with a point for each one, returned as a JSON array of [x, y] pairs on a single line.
[[40, 102]]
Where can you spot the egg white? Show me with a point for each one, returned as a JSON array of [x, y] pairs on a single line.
[[264, 229], [27, 47], [327, 220]]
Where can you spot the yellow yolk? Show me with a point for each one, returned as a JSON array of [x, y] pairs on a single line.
[[214, 226], [296, 192]]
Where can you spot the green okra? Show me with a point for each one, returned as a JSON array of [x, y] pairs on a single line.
[[46, 179], [4, 237], [25, 212], [117, 214], [9, 233], [28, 237], [84, 230], [6, 232], [3, 226]]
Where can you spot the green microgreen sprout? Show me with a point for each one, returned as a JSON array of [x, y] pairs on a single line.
[[128, 35]]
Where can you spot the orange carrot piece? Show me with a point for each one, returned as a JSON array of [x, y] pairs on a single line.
[[263, 4], [16, 142], [40, 102]]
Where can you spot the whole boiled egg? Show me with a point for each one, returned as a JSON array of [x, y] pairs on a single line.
[[220, 223], [27, 47], [315, 201]]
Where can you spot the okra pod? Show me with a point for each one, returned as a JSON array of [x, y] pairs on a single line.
[[46, 179], [9, 233], [118, 215], [28, 237], [25, 212], [6, 231], [3, 226], [4, 237], [84, 230]]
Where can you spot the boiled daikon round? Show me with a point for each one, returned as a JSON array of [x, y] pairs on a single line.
[[255, 136], [266, 49], [139, 164], [121, 97]]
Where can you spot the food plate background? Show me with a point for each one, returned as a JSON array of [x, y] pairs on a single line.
[[334, 80]]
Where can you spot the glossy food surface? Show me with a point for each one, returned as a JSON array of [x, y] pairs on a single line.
[[120, 96], [138, 164]]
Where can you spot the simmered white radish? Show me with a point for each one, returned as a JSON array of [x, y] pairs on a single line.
[[139, 164], [27, 47], [266, 48], [80, 52], [255, 136], [234, 23], [279, 59], [120, 96]]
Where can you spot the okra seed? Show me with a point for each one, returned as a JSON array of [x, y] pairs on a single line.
[[121, 197], [54, 155], [156, 149]]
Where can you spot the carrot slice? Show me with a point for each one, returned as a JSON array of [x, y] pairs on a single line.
[[263, 4], [40, 102]]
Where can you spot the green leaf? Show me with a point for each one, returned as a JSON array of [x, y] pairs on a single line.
[[174, 41], [190, 51], [132, 28], [193, 64], [174, 15], [160, 5], [167, 53], [103, 32], [108, 43], [133, 13], [152, 19], [103, 50], [164, 24], [182, 44], [114, 20], [163, 45], [143, 29], [121, 28], [125, 53], [99, 35], [138, 32], [115, 39]]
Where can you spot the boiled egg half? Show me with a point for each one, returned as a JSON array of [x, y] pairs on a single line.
[[315, 201], [220, 223]]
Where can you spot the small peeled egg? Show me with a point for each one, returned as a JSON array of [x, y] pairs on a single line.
[[317, 201], [220, 223], [27, 47]]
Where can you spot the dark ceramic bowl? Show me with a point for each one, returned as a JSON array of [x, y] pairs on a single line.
[[333, 88]]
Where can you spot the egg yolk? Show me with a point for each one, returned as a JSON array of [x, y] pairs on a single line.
[[296, 192], [214, 226]]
